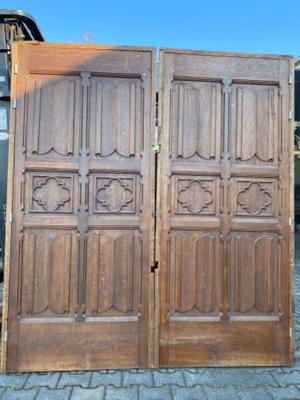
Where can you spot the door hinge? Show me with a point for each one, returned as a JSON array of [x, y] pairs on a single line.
[[16, 69], [290, 79], [154, 267], [10, 217], [5, 336], [291, 331], [290, 115], [14, 103], [156, 148], [290, 221]]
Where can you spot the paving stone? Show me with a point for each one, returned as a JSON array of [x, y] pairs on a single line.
[[154, 393], [53, 394], [105, 379], [288, 378], [166, 379], [11, 394], [113, 393], [227, 393], [188, 393], [287, 393], [42, 379], [204, 378], [68, 379], [88, 394], [244, 379], [254, 393], [144, 378], [13, 380]]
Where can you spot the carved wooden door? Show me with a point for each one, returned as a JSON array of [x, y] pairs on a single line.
[[225, 203], [82, 199]]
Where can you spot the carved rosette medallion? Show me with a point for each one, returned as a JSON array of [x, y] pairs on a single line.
[[254, 198], [114, 195], [195, 197], [51, 194]]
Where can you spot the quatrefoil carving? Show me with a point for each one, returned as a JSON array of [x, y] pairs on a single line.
[[114, 195], [51, 194], [254, 198], [195, 197]]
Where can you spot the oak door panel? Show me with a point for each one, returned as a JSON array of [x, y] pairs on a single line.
[[224, 189], [82, 205]]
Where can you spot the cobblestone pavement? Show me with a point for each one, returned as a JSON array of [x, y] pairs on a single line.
[[162, 384]]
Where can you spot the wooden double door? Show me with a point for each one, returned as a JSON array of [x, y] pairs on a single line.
[[116, 259]]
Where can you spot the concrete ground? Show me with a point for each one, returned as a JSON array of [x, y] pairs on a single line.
[[163, 384]]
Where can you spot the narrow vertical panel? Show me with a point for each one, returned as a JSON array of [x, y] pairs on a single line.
[[188, 270], [179, 91], [41, 274], [132, 119], [98, 117], [92, 273], [265, 268], [28, 273], [69, 138], [35, 103], [106, 274], [123, 273], [239, 122], [59, 282]]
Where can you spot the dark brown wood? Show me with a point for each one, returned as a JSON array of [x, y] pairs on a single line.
[[224, 234], [81, 242]]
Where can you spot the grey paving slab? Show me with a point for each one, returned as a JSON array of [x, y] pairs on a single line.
[[188, 393], [67, 379], [99, 379], [49, 380], [287, 378], [155, 393], [167, 379], [204, 378], [54, 394], [245, 379], [16, 381], [226, 393], [79, 393], [12, 394], [142, 378], [253, 393], [113, 393], [287, 393]]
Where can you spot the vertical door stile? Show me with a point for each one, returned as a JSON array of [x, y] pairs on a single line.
[[83, 197], [225, 184]]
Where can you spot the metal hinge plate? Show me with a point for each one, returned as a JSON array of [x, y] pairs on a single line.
[[156, 148], [5, 337], [291, 332], [16, 69], [290, 79], [290, 221], [14, 103], [154, 267], [290, 115]]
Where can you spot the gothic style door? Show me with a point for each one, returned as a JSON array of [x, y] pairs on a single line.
[[81, 234], [225, 209]]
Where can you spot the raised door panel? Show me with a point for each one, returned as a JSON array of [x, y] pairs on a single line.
[[52, 116], [255, 123]]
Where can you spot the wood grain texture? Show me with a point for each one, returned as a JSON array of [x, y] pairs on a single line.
[[224, 240], [82, 235]]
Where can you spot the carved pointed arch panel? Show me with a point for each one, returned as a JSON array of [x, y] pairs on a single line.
[[194, 275], [51, 116], [196, 129], [255, 123]]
